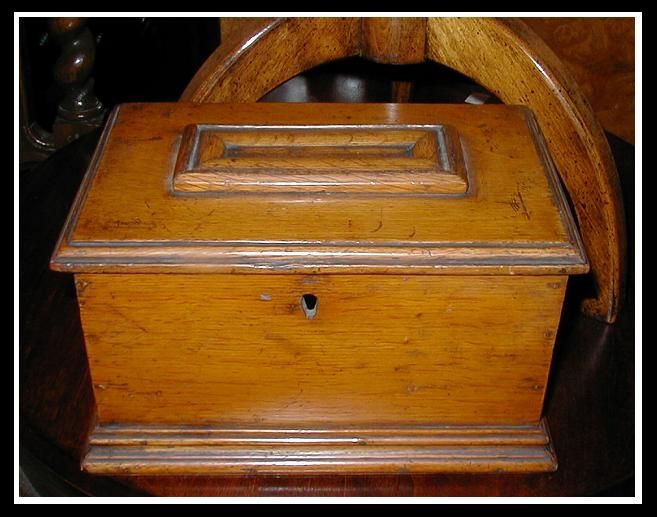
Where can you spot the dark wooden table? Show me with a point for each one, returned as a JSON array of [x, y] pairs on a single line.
[[590, 403]]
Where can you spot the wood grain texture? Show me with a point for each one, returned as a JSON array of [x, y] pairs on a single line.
[[506, 57], [381, 354], [134, 450], [510, 60], [354, 159], [199, 349], [396, 41], [351, 389], [513, 219], [232, 27], [599, 53], [589, 405]]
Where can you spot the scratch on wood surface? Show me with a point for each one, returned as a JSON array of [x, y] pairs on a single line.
[[524, 210], [517, 204], [380, 225], [128, 319]]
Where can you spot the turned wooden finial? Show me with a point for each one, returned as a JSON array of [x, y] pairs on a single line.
[[79, 110]]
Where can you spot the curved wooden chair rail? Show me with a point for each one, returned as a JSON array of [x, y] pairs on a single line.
[[503, 55]]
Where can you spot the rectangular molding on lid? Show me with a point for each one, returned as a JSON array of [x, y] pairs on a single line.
[[356, 159]]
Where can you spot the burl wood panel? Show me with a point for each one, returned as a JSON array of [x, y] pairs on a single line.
[[396, 350], [356, 159], [506, 57]]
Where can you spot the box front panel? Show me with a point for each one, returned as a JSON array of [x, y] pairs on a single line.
[[250, 350]]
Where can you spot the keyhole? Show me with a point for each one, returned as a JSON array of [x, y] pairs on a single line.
[[309, 303]]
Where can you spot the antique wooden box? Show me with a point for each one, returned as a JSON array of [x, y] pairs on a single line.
[[316, 288]]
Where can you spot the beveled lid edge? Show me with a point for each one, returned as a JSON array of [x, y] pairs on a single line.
[[325, 257]]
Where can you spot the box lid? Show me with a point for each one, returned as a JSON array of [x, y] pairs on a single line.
[[385, 188]]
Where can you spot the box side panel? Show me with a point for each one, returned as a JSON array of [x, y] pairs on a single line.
[[390, 350]]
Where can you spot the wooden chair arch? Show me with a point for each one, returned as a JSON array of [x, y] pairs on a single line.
[[505, 56]]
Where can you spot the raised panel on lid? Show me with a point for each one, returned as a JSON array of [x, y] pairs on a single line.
[[356, 159], [432, 189]]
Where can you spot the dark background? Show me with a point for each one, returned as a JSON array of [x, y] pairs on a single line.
[[153, 59], [137, 59]]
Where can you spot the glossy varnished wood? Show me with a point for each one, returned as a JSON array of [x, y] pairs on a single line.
[[513, 217], [599, 53], [320, 159], [395, 41], [79, 111], [590, 402], [451, 324], [360, 387], [233, 73], [148, 450], [510, 60], [381, 349], [505, 56]]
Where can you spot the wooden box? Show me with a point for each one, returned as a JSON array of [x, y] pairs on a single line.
[[320, 288]]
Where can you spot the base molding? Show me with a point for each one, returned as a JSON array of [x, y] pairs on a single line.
[[142, 450]]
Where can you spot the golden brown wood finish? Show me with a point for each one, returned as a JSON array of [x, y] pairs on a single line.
[[398, 350], [234, 73], [599, 53], [233, 28], [387, 331], [510, 60], [383, 357], [397, 41], [589, 405], [504, 56], [512, 219], [354, 159]]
